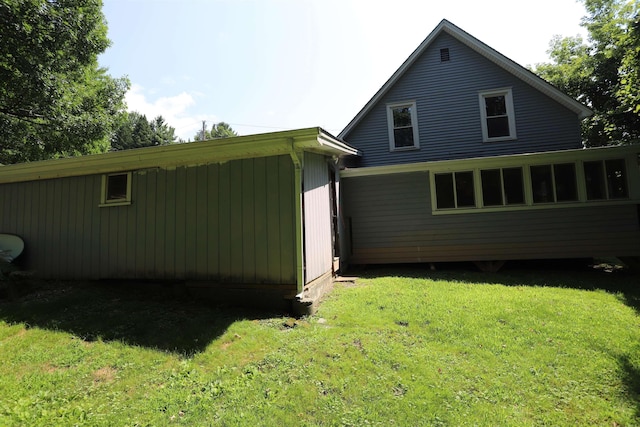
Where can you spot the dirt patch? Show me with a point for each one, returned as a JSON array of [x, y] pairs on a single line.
[[347, 281], [104, 375]]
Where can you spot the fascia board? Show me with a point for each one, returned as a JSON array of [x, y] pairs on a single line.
[[89, 165], [324, 143], [393, 79], [188, 154], [194, 153], [338, 147], [599, 153], [517, 70]]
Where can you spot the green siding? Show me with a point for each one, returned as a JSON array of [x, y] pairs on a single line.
[[232, 222]]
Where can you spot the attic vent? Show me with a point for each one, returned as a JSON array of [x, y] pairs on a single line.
[[444, 54]]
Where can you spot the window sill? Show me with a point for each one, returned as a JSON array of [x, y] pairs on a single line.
[[558, 205], [122, 203], [413, 148], [501, 139]]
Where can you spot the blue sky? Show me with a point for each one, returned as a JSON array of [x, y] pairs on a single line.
[[267, 65]]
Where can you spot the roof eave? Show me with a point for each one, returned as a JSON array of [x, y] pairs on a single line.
[[178, 155]]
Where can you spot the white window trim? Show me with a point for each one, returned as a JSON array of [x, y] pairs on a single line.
[[506, 92], [103, 193], [414, 125], [632, 198], [474, 172]]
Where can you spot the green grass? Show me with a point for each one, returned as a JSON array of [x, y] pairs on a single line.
[[398, 347]]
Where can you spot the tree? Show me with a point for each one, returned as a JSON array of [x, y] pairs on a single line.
[[133, 130], [603, 74], [54, 98], [163, 134], [218, 130]]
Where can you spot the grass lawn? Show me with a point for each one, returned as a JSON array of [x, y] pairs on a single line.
[[401, 346]]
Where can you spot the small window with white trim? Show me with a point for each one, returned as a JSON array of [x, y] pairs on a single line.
[[116, 189], [498, 117], [554, 183], [502, 186], [402, 120], [455, 190], [606, 180]]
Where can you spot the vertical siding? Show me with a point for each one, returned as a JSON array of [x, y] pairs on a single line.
[[317, 217], [231, 223], [449, 122], [391, 222]]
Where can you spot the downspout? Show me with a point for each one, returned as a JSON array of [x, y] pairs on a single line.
[[297, 167]]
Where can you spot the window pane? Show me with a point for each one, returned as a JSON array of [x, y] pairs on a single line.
[[616, 179], [491, 187], [541, 184], [566, 187], [117, 187], [513, 186], [401, 117], [444, 191], [403, 137], [496, 105], [497, 127], [464, 189], [594, 180]]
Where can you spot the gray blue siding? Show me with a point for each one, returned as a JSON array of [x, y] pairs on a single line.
[[446, 94], [317, 217], [233, 223], [391, 222]]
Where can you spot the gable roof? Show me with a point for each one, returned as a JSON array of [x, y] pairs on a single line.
[[486, 51], [314, 140]]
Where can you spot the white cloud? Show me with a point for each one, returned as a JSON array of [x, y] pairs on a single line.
[[174, 109]]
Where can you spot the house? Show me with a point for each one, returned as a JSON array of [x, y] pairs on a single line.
[[467, 156], [249, 217], [462, 155]]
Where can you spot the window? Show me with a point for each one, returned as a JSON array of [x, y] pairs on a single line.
[[498, 117], [554, 183], [565, 182], [116, 189], [606, 179], [403, 126], [455, 190], [536, 186], [502, 186]]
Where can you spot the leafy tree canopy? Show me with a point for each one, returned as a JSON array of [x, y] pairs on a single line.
[[218, 130], [604, 73], [54, 98], [133, 130]]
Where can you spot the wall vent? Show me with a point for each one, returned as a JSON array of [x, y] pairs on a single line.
[[444, 55]]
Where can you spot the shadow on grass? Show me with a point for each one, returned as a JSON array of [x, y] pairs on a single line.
[[575, 274], [135, 314], [631, 379]]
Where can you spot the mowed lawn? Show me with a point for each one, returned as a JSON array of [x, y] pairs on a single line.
[[403, 346]]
